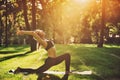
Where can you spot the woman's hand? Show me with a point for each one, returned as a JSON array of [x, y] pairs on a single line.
[[19, 32]]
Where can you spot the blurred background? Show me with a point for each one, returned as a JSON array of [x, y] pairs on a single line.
[[64, 21]]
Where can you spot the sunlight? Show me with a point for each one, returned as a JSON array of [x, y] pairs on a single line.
[[39, 6], [81, 1]]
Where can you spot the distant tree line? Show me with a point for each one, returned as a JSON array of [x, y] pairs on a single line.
[[64, 21]]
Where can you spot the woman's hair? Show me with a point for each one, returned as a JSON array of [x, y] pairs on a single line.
[[41, 33]]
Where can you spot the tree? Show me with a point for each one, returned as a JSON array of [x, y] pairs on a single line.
[[8, 11], [101, 40], [112, 18], [1, 30], [33, 42], [25, 14], [6, 28]]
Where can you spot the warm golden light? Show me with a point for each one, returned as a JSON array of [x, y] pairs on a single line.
[[81, 1]]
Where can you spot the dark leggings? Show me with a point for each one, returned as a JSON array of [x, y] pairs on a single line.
[[49, 62]]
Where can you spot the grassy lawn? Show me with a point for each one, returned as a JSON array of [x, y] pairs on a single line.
[[104, 62]]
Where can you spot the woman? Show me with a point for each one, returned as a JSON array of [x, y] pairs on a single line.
[[48, 45]]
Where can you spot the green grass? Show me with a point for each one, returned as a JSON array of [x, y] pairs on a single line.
[[104, 62]]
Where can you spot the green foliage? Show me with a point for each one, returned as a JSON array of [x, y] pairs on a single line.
[[104, 62], [62, 19]]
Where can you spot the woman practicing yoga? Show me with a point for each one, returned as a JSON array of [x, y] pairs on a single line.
[[48, 45]]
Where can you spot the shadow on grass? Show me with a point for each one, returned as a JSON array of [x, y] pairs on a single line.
[[13, 56], [15, 47], [45, 76], [89, 77], [8, 52], [97, 58]]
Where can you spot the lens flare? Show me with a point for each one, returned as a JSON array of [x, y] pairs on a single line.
[[81, 1]]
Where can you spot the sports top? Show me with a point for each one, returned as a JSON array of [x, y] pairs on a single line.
[[49, 44]]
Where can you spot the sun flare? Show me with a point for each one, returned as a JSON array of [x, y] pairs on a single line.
[[81, 1]]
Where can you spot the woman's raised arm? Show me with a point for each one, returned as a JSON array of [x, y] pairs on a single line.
[[34, 34], [22, 32]]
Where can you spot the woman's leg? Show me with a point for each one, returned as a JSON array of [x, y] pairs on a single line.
[[63, 57], [22, 70], [54, 61], [41, 69], [48, 64]]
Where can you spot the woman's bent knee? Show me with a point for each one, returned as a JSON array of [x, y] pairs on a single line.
[[67, 55]]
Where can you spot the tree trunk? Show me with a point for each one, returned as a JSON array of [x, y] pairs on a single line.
[[101, 40], [25, 15], [31, 40], [0, 30], [6, 29], [33, 43]]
